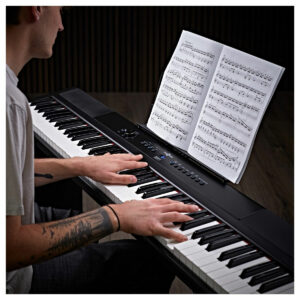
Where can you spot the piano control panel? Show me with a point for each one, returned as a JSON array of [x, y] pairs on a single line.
[[161, 155]]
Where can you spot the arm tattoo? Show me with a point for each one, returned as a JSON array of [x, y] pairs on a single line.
[[77, 231]]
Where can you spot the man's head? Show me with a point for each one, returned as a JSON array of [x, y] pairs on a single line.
[[33, 30], [47, 22]]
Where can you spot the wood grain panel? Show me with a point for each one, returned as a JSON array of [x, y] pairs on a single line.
[[126, 49]]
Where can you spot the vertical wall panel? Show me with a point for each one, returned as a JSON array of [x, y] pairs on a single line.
[[126, 49]]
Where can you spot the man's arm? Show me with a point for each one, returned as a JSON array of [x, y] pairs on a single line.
[[29, 244], [100, 168]]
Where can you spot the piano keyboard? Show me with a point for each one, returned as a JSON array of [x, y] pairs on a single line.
[[215, 251]]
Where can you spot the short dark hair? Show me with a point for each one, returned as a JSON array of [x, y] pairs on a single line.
[[12, 15]]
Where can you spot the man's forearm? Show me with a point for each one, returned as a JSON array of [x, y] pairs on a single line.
[[59, 169], [39, 242]]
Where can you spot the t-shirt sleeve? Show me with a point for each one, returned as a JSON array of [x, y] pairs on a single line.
[[15, 143]]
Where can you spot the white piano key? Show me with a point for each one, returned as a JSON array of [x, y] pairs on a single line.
[[208, 270], [233, 277], [231, 287], [195, 252], [285, 289], [188, 233], [227, 271], [212, 256], [245, 290], [62, 144], [215, 266], [190, 243], [218, 275], [238, 285]]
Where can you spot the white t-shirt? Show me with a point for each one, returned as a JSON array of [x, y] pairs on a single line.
[[19, 171]]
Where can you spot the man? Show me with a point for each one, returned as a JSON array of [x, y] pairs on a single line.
[[54, 248]]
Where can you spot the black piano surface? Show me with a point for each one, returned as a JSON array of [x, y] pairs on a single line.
[[258, 225]]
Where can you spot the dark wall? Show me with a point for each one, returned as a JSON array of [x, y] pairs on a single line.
[[126, 49]]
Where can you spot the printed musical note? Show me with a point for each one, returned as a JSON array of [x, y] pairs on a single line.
[[252, 72]]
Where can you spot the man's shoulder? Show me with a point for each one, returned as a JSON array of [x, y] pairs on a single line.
[[15, 97]]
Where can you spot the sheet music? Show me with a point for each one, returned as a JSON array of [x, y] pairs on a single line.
[[239, 94], [183, 89]]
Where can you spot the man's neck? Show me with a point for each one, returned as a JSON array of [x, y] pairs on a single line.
[[16, 49]]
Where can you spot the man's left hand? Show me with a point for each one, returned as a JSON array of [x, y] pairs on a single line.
[[105, 168]]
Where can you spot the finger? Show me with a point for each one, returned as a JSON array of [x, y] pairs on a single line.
[[171, 234], [174, 217], [132, 165], [161, 201], [179, 206], [127, 156], [121, 179]]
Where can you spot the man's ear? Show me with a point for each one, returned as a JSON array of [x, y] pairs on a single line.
[[36, 13]]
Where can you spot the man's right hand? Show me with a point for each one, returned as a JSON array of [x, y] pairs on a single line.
[[147, 217]]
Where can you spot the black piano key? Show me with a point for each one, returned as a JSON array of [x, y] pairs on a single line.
[[96, 151], [62, 122], [235, 252], [197, 222], [98, 143], [49, 105], [142, 181], [181, 198], [43, 100], [49, 109], [143, 173], [211, 237], [162, 190], [248, 272], [117, 150], [46, 104], [198, 214], [244, 258], [90, 140], [70, 124], [266, 276], [40, 100], [69, 132], [61, 117], [275, 283], [110, 149], [174, 196], [184, 199], [194, 215], [80, 131], [135, 171], [139, 172], [188, 201], [84, 136], [53, 111], [151, 187], [145, 176], [201, 232], [51, 114], [223, 242]]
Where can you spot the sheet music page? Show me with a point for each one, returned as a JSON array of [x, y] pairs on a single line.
[[239, 94], [183, 89]]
